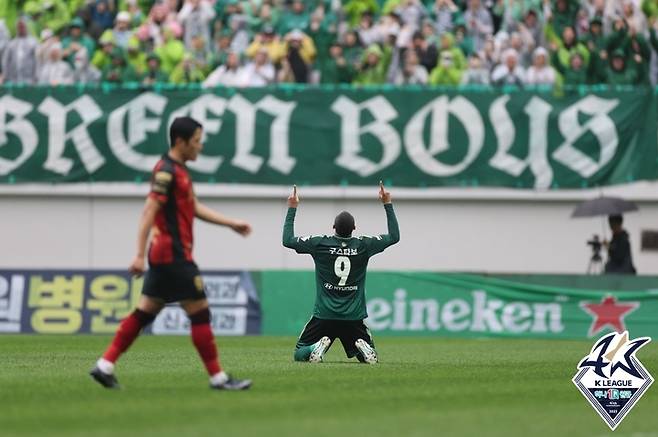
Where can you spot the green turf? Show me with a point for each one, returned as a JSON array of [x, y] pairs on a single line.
[[422, 387]]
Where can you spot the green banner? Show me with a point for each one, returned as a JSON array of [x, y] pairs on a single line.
[[461, 305], [414, 137]]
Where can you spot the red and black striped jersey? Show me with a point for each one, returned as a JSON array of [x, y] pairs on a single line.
[[172, 236]]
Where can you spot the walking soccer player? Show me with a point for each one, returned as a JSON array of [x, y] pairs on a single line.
[[173, 276], [341, 261]]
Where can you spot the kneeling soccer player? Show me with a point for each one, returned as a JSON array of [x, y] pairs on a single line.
[[341, 261], [173, 276]]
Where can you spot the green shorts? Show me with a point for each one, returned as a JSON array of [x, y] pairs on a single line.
[[174, 282]]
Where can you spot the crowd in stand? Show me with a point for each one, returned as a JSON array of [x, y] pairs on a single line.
[[251, 43]]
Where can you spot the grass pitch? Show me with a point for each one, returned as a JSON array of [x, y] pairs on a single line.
[[422, 387]]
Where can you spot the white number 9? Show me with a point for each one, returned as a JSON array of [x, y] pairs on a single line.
[[342, 268]]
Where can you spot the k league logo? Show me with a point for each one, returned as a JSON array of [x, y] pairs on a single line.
[[611, 377]]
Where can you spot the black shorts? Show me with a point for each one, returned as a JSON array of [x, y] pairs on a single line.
[[348, 331], [174, 282]]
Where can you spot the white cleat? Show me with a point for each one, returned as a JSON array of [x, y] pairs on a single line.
[[320, 348], [367, 351]]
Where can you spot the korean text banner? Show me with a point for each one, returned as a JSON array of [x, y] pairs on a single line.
[[460, 305], [71, 302], [412, 137]]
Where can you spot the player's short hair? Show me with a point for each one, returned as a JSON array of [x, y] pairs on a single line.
[[183, 128], [344, 224], [616, 219]]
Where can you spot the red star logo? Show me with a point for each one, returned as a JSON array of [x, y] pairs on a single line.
[[608, 313]]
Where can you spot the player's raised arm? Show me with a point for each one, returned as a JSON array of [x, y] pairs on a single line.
[[300, 244], [209, 215], [381, 242], [151, 208], [289, 238]]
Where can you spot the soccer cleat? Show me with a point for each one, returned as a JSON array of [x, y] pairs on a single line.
[[318, 351], [107, 380], [232, 384], [368, 352]]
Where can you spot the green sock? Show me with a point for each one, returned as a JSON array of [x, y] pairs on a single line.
[[303, 352]]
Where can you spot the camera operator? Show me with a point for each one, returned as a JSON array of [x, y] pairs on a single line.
[[619, 248]]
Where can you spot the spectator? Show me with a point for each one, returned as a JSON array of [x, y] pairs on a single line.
[[446, 72], [323, 33], [596, 45], [560, 14], [354, 10], [240, 39], [228, 74], [102, 57], [270, 42], [523, 48], [77, 40], [540, 72], [369, 33], [478, 23], [476, 74], [121, 33], [337, 69], [136, 11], [489, 55], [83, 71], [195, 16], [412, 73], [513, 12], [427, 53], [391, 46], [171, 52], [202, 59], [101, 18], [259, 72], [157, 22], [135, 56], [618, 72], [575, 73], [532, 29], [352, 49], [295, 18], [463, 40], [429, 33], [48, 39], [568, 45], [443, 14], [448, 45], [118, 70], [222, 47], [186, 72], [634, 17], [509, 72], [298, 56], [373, 68], [55, 71], [411, 13], [154, 73], [19, 62], [267, 15]]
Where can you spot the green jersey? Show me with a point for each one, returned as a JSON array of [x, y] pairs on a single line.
[[340, 266]]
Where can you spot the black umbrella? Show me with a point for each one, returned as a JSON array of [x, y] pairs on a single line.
[[603, 206]]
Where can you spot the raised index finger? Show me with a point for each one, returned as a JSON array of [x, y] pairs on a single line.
[[294, 190]]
